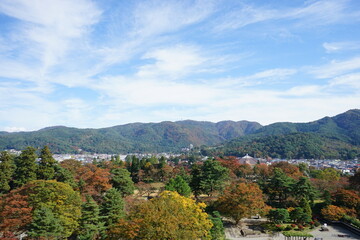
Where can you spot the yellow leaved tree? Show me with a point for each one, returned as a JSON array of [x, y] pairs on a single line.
[[169, 216]]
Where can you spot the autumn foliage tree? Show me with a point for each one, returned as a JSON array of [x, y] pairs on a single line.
[[94, 180], [333, 213], [169, 216], [55, 199], [241, 200]]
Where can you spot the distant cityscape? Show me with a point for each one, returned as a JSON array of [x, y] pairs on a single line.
[[345, 166]]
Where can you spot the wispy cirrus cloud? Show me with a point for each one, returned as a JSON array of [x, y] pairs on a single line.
[[311, 14], [45, 33], [335, 68], [333, 47]]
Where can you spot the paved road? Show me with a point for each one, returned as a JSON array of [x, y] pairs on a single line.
[[334, 233]]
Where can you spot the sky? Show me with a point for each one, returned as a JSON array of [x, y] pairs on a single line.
[[94, 64]]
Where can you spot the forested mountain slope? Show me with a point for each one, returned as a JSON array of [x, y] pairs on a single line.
[[134, 137]]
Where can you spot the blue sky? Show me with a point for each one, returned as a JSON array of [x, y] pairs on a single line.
[[93, 64]]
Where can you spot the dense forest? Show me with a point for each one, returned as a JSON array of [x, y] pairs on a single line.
[[289, 146], [166, 198]]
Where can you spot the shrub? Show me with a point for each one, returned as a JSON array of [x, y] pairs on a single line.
[[352, 221]]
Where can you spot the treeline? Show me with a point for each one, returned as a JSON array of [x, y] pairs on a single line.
[[289, 146], [159, 198]]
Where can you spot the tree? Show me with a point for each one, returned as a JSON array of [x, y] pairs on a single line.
[[15, 212], [355, 181], [6, 171], [333, 213], [121, 180], [112, 207], [65, 176], [241, 200], [25, 167], [59, 198], [304, 189], [217, 231], [329, 174], [45, 224], [179, 185], [90, 224], [289, 169], [208, 177], [95, 180], [213, 176], [279, 215], [196, 178], [346, 198], [47, 164], [168, 216], [298, 215], [279, 188]]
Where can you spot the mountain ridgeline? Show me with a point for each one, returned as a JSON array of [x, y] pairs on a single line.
[[133, 138], [329, 137]]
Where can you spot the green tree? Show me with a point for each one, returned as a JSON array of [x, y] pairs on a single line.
[[64, 175], [47, 199], [25, 167], [278, 215], [178, 184], [112, 207], [213, 176], [196, 177], [121, 180], [298, 215], [90, 225], [209, 177], [47, 164], [217, 232], [279, 188], [45, 224], [60, 198], [7, 168], [304, 189]]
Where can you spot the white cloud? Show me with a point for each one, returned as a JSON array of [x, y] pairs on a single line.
[[48, 27], [14, 129], [265, 77], [175, 62], [314, 13], [335, 68], [341, 46], [350, 80], [157, 17]]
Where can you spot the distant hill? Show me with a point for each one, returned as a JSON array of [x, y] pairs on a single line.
[[287, 146], [343, 127], [134, 137], [329, 137]]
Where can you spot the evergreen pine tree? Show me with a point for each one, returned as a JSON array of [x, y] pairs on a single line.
[[6, 171], [121, 180], [25, 167], [112, 208], [45, 224], [47, 164], [179, 185], [90, 225]]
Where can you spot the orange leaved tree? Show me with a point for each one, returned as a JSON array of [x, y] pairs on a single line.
[[242, 200]]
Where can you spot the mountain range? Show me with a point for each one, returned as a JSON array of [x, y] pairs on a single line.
[[341, 131]]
